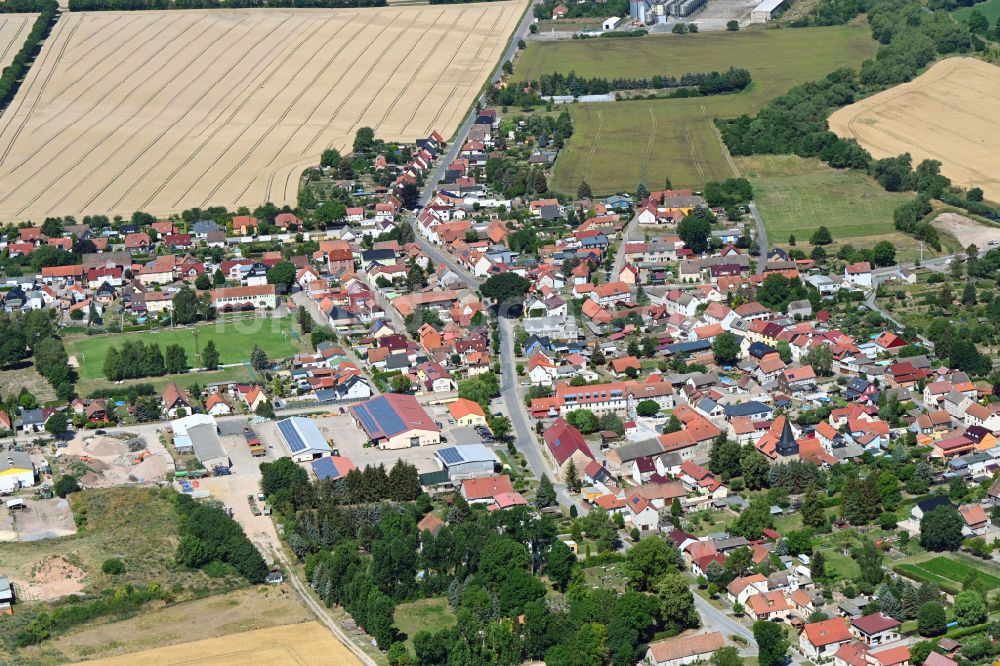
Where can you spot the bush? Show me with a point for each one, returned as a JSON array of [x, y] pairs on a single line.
[[66, 484], [113, 566]]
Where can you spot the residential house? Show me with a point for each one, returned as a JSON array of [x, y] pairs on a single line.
[[823, 639], [876, 629], [684, 649], [566, 444], [175, 399]]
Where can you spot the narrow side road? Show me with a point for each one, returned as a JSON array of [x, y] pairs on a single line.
[[319, 609], [761, 237], [524, 436], [714, 619]]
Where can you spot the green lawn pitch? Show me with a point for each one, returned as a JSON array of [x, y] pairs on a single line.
[[233, 339]]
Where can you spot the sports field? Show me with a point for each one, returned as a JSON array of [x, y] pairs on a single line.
[[14, 28], [990, 9], [302, 644], [949, 573], [233, 339], [617, 144], [950, 113], [167, 110]]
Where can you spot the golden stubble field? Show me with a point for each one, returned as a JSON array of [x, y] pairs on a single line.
[[951, 113], [305, 644], [13, 29], [164, 111]]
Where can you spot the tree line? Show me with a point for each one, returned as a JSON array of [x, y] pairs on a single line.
[[134, 5], [14, 73], [135, 359], [708, 83]]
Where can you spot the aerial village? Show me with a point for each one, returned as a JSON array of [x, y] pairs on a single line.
[[736, 403]]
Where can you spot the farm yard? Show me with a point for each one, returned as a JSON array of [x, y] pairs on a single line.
[[950, 113], [614, 145], [178, 109], [950, 573], [234, 340], [14, 29]]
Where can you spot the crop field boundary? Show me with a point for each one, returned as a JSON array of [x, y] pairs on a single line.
[[184, 108], [922, 117]]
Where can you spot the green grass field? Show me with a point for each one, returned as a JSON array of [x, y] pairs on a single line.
[[990, 9], [841, 565], [615, 145], [424, 615], [949, 573], [795, 195], [234, 340]]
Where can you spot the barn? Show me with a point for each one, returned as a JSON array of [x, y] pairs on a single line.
[[764, 12], [302, 437]]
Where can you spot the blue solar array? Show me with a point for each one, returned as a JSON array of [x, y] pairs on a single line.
[[325, 469], [378, 415], [291, 435], [450, 456]]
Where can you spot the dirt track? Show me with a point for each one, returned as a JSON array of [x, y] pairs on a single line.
[[163, 111], [951, 113]]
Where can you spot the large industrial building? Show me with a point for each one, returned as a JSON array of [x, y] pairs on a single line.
[[396, 421], [764, 12], [304, 440], [208, 447], [16, 471], [662, 11]]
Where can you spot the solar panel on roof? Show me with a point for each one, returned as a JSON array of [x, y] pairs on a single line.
[[387, 417], [367, 420], [325, 469], [291, 435], [450, 456]]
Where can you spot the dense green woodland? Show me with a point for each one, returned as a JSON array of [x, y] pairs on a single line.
[[358, 537], [33, 335]]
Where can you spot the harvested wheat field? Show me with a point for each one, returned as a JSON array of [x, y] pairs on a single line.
[[290, 645], [951, 113], [164, 111], [14, 28]]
